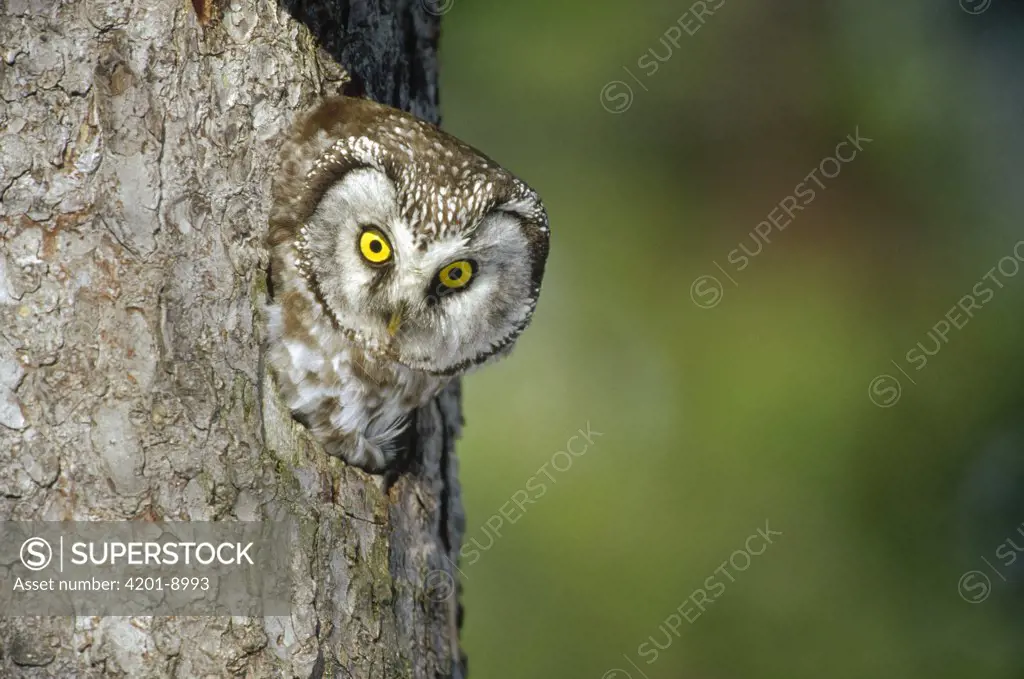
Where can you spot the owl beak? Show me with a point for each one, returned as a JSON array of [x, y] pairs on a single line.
[[397, 317]]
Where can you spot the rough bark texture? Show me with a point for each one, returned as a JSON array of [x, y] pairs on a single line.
[[137, 145]]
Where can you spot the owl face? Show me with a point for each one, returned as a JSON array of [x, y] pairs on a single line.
[[420, 249]]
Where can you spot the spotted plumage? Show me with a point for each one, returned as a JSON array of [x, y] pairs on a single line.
[[400, 259]]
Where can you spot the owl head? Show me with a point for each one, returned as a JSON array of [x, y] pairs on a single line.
[[419, 248]]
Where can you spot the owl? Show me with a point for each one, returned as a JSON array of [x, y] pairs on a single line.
[[400, 259]]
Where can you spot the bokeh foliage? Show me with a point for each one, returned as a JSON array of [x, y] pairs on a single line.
[[716, 420]]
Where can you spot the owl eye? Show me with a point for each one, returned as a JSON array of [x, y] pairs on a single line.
[[457, 274], [374, 246]]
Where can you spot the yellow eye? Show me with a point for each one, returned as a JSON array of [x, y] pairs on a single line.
[[456, 274], [374, 246]]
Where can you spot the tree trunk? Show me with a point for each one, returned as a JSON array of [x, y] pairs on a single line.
[[137, 145]]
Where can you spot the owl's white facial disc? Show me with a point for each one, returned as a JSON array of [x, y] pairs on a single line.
[[400, 306]]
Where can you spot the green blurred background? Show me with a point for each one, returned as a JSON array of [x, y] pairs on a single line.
[[716, 420]]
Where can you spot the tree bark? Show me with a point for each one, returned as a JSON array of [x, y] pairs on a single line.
[[137, 145]]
